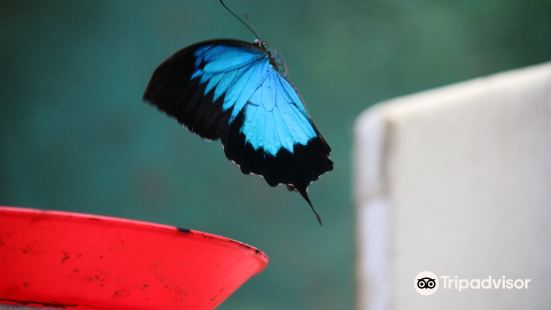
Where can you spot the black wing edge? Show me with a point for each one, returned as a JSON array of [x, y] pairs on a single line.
[[296, 170], [172, 91]]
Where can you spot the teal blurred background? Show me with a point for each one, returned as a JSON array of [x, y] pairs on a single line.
[[75, 134]]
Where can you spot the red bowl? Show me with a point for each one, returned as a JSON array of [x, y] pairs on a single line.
[[61, 259]]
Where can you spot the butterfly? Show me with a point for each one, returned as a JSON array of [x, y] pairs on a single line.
[[238, 92]]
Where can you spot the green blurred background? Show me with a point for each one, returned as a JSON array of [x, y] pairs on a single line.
[[75, 134]]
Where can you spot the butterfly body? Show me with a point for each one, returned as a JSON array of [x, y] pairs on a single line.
[[237, 92]]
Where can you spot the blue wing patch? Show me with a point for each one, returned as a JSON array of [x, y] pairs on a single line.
[[235, 72], [231, 90], [275, 117]]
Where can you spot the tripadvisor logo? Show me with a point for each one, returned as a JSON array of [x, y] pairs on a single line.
[[427, 283]]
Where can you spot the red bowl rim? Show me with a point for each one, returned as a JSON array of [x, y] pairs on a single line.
[[138, 224]]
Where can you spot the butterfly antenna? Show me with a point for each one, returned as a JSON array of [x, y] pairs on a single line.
[[304, 195], [241, 20]]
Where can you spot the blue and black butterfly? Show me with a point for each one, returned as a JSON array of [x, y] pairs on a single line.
[[237, 92]]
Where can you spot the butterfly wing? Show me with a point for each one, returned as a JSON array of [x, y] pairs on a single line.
[[273, 136], [229, 90], [205, 85]]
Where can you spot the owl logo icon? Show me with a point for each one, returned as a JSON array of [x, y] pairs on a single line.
[[426, 283]]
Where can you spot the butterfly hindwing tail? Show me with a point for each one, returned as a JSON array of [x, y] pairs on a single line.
[[296, 169]]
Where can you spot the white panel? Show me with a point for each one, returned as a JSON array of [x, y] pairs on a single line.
[[466, 179]]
